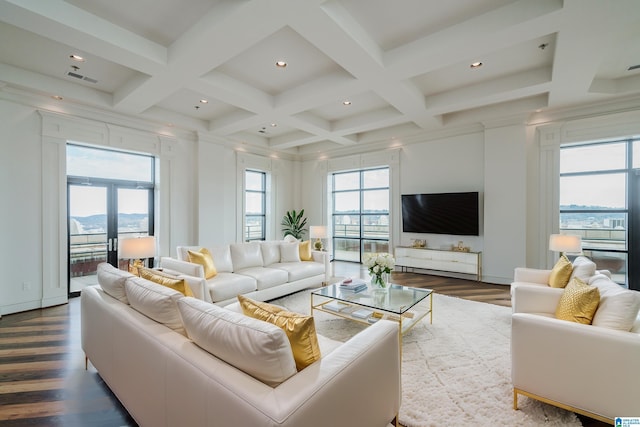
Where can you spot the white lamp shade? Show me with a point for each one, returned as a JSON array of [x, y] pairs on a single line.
[[137, 248], [565, 243], [318, 232]]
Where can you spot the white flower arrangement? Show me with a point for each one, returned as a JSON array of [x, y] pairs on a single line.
[[378, 264]]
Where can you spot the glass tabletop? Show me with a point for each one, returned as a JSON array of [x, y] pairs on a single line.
[[398, 299]]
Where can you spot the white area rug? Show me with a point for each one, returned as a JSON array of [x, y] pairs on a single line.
[[456, 371]]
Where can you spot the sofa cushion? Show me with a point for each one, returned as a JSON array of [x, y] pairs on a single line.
[[112, 281], [155, 301], [618, 307], [289, 252], [222, 258], [246, 255], [204, 258], [578, 302], [166, 279], [265, 277], [300, 329], [304, 249], [258, 348], [582, 268], [300, 270], [270, 252], [560, 273], [228, 285]]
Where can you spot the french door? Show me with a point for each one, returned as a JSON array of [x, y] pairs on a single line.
[[100, 213]]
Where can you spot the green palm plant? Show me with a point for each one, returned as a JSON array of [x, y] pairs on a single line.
[[293, 224]]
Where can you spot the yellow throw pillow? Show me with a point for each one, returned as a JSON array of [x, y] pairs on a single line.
[[578, 302], [305, 251], [561, 273], [167, 280], [300, 329], [204, 258]]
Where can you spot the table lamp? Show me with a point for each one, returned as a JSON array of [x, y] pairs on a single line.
[[565, 243], [317, 232], [136, 249]]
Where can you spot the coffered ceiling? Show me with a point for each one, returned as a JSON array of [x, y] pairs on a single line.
[[404, 66]]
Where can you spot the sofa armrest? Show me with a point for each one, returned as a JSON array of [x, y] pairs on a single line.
[[531, 275], [535, 299], [583, 366], [184, 267], [342, 384]]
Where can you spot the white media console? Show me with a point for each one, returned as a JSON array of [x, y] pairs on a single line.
[[440, 260]]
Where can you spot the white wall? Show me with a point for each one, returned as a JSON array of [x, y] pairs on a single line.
[[33, 193], [21, 211]]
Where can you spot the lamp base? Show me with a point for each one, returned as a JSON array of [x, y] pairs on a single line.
[[135, 265], [317, 245]]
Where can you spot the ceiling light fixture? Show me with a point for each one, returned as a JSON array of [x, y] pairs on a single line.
[[346, 102], [281, 64], [476, 65], [274, 125], [204, 101], [77, 58], [57, 97]]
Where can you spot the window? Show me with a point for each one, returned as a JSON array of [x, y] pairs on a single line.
[[595, 200], [255, 205], [360, 213]]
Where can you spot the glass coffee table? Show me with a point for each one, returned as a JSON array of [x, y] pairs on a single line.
[[402, 304]]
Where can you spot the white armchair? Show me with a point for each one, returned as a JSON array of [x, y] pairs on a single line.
[[591, 370]]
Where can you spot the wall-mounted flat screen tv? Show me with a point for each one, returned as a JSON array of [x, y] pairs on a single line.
[[441, 213]]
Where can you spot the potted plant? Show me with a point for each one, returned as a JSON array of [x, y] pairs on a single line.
[[293, 224]]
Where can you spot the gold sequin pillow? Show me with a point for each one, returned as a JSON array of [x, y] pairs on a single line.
[[167, 280], [305, 251], [561, 273], [578, 302], [205, 259], [300, 329]]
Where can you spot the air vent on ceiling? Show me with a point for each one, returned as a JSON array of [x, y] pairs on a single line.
[[81, 77], [633, 67]]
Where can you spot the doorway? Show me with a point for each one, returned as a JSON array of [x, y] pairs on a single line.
[[102, 211]]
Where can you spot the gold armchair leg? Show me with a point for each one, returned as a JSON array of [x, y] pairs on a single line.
[[515, 400]]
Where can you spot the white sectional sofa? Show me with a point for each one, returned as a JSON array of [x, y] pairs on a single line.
[[137, 335], [259, 270]]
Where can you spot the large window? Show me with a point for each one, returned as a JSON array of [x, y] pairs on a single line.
[[255, 205], [360, 213], [596, 201]]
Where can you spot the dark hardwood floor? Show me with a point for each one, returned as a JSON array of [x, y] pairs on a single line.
[[43, 381]]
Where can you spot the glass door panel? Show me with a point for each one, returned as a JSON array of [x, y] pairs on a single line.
[[88, 241], [133, 215]]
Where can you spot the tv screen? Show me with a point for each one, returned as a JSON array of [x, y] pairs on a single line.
[[441, 213]]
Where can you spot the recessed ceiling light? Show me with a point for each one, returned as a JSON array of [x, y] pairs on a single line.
[[476, 65], [281, 64], [77, 58], [346, 102], [274, 125], [57, 97], [204, 101]]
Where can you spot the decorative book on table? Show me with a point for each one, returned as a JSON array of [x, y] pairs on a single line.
[[336, 306], [354, 285], [363, 313]]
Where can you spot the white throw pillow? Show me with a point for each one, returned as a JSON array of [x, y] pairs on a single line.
[[289, 252], [112, 281], [257, 348], [618, 308], [583, 269]]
